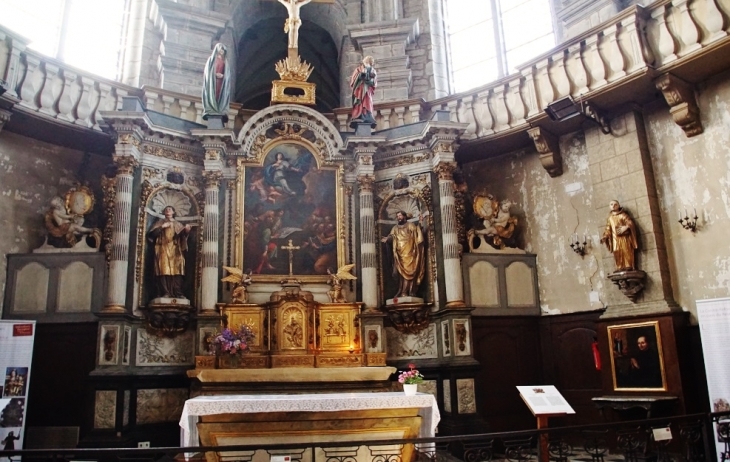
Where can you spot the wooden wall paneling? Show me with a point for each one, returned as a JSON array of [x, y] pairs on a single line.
[[568, 363], [508, 350]]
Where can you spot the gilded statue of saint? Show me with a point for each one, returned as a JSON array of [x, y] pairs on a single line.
[[170, 238], [409, 259], [620, 237]]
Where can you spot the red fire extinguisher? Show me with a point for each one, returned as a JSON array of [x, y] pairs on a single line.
[[596, 354]]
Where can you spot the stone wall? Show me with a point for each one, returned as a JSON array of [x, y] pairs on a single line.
[[695, 173], [428, 56], [688, 173], [31, 173], [549, 210]]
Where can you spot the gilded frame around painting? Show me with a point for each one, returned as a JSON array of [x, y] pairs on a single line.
[[637, 360], [289, 195]]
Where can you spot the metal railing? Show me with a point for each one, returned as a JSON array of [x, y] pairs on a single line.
[[692, 439]]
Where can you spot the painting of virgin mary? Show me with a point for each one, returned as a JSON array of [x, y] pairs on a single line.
[[289, 198]]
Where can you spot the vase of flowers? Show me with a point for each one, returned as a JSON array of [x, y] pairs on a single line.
[[231, 344], [410, 380]]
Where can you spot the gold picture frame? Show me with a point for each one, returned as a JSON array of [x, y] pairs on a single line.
[[637, 359], [79, 200], [310, 186]]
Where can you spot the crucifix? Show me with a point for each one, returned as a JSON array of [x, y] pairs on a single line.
[[291, 26], [291, 248]]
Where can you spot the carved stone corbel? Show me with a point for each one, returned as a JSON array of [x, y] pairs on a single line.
[[547, 146], [682, 102]]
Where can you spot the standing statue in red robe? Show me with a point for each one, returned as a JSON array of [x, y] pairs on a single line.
[[363, 82]]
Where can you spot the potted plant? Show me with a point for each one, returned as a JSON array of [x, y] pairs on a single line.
[[410, 380]]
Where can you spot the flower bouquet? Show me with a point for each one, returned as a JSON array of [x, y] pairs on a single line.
[[230, 344], [410, 379]]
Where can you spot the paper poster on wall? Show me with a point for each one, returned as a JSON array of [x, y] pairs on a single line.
[[714, 319], [16, 354]]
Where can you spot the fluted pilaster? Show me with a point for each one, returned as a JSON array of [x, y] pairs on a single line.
[[119, 255], [209, 282], [452, 264], [367, 242]]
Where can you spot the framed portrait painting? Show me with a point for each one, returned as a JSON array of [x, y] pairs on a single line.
[[290, 215], [637, 362]]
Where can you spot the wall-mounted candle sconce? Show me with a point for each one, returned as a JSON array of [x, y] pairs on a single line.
[[577, 246], [688, 222]]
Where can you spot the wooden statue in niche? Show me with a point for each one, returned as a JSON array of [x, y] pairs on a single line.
[[621, 239], [169, 266]]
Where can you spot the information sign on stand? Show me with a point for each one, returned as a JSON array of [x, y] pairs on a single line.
[[544, 401], [16, 354]]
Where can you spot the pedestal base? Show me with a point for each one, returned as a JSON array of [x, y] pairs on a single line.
[[408, 317], [289, 91]]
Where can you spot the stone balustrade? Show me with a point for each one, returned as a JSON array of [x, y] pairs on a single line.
[[637, 42], [53, 89]]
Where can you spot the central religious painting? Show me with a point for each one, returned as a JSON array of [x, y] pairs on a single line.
[[290, 215]]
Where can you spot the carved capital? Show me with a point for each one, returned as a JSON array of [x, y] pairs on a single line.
[[212, 154], [366, 183], [126, 165], [128, 138], [680, 97], [547, 146], [445, 171], [212, 179]]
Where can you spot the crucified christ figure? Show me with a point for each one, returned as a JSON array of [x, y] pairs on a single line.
[[291, 26]]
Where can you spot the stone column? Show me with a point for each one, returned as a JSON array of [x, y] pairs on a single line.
[[452, 263], [369, 269], [119, 258], [209, 280]]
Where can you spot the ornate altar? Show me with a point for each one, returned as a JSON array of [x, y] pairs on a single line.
[[293, 330]]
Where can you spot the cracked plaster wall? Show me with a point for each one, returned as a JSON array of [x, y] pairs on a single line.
[[695, 173], [31, 173], [550, 210]]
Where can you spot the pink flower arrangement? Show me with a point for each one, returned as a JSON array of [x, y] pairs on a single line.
[[410, 376], [234, 341]]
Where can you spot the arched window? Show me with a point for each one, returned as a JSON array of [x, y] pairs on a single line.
[[488, 38], [83, 33]]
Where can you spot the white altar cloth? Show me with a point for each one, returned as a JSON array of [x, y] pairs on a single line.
[[332, 402]]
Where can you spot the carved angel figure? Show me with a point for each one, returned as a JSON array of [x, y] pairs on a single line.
[[344, 273], [241, 280], [498, 225], [65, 228]]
